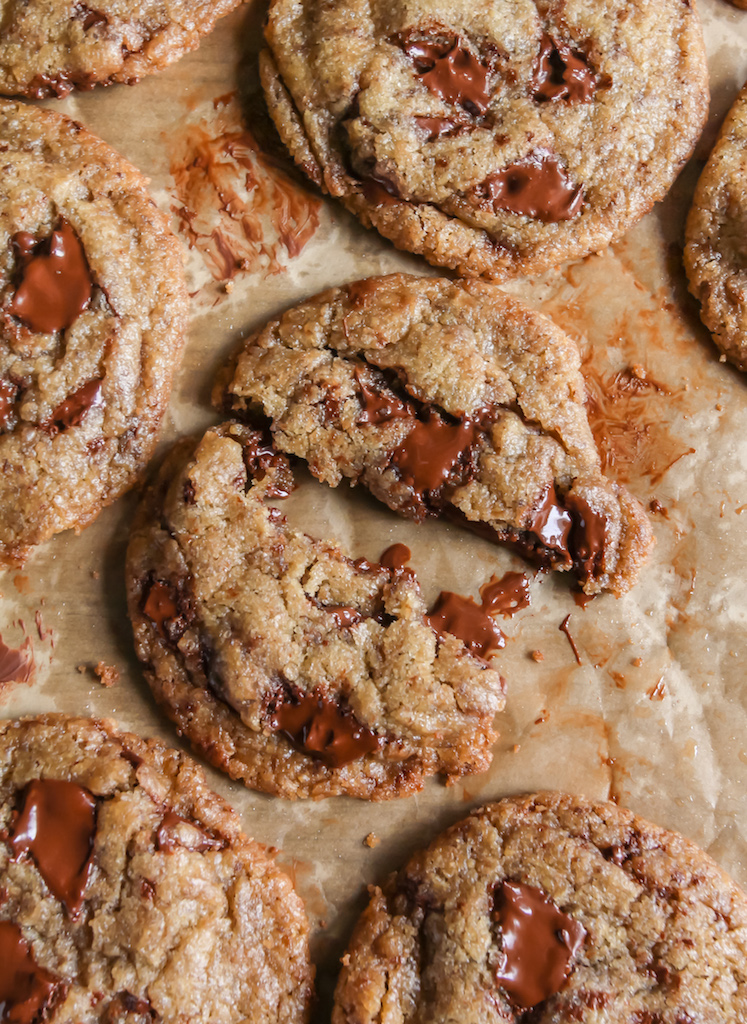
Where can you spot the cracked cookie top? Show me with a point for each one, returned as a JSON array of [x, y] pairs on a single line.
[[446, 398], [93, 310], [286, 663], [550, 908], [50, 47], [129, 892], [497, 138]]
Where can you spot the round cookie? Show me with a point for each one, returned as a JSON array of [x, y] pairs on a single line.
[[551, 908], [93, 310], [500, 138], [287, 664], [446, 398], [130, 893], [49, 47], [715, 249]]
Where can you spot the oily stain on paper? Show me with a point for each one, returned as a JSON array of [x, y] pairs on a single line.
[[240, 211], [628, 365]]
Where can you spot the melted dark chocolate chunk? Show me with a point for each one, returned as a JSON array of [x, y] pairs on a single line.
[[588, 536], [396, 557], [55, 285], [380, 406], [8, 396], [259, 456], [436, 127], [90, 17], [71, 412], [320, 727], [561, 73], [467, 620], [452, 72], [551, 524], [57, 825], [342, 614], [27, 991], [165, 607], [60, 85], [375, 195], [432, 449], [507, 595], [538, 942], [169, 837], [536, 186]]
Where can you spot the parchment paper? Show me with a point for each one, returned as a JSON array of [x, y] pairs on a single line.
[[655, 716]]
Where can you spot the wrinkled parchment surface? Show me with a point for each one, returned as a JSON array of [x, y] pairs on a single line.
[[655, 715]]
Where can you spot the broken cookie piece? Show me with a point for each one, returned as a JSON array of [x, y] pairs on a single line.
[[446, 398], [285, 663]]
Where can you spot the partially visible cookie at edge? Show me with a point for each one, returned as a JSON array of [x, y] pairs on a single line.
[[50, 47], [550, 908], [446, 399], [130, 894], [496, 139], [284, 662], [716, 238], [93, 313]]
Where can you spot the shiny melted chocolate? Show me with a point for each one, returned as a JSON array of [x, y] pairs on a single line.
[[465, 619], [506, 596], [588, 537], [561, 73], [259, 456], [320, 727], [27, 991], [452, 72], [72, 411], [379, 406], [436, 127], [169, 837], [161, 604], [396, 557], [432, 449], [57, 825], [538, 943], [551, 524], [55, 285], [536, 187]]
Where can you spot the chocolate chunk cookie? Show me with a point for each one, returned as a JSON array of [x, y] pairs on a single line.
[[551, 908], [129, 893], [446, 399], [49, 47], [716, 238], [93, 309], [496, 138], [288, 665]]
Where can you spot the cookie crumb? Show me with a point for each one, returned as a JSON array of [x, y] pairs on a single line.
[[345, 960], [371, 840], [95, 574], [516, 748], [108, 674], [538, 656], [637, 662], [81, 668]]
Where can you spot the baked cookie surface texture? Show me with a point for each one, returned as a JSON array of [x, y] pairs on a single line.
[[716, 249], [550, 908], [49, 47], [130, 894], [285, 663], [495, 138], [446, 399], [93, 309]]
